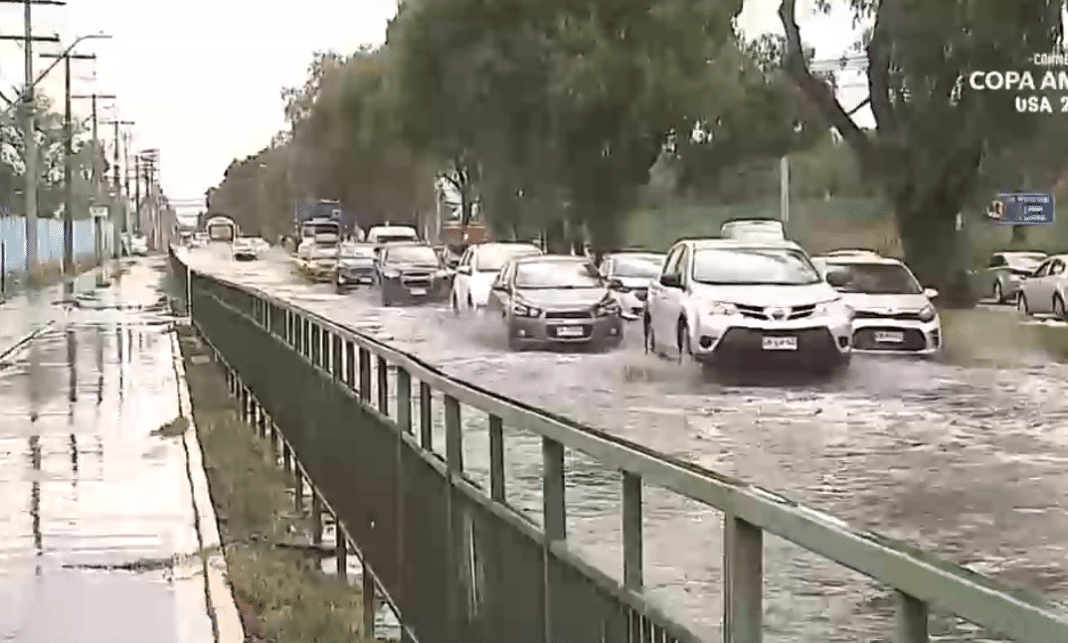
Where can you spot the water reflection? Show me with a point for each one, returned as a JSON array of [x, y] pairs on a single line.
[[120, 342], [99, 365], [72, 364], [35, 497]]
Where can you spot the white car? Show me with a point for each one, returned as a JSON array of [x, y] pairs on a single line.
[[392, 234], [753, 230], [1046, 290], [321, 262], [730, 302], [245, 249], [478, 268], [630, 274], [893, 313]]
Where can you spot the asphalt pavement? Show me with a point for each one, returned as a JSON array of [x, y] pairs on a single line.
[[971, 462], [104, 514]]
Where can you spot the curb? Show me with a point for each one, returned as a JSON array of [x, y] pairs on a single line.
[[226, 622]]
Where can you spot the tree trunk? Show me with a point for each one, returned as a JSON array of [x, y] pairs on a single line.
[[934, 250]]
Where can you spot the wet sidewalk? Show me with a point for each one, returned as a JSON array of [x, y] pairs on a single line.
[[107, 533]]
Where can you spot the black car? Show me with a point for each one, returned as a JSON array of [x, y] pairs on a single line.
[[355, 266], [410, 273]]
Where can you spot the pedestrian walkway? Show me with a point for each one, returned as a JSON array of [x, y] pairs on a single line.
[[107, 533]]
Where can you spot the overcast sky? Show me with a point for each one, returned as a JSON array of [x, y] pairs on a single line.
[[201, 78]]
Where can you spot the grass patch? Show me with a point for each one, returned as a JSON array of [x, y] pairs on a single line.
[[281, 593], [996, 338]]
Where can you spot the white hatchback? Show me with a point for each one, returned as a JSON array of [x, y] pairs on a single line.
[[894, 314], [478, 268], [732, 302]]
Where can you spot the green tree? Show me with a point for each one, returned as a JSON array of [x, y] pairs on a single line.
[[933, 131]]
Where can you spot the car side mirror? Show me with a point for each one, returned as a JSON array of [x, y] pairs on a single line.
[[499, 287], [671, 280], [615, 284], [930, 293], [837, 279], [463, 270]]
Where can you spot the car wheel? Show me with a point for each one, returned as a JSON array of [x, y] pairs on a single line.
[[1058, 308], [1021, 305], [387, 301], [683, 343], [999, 295], [455, 305], [514, 344], [650, 338]]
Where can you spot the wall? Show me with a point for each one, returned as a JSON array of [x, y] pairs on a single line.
[[49, 241]]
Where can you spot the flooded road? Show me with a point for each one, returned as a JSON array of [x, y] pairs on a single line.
[[969, 462], [97, 532]]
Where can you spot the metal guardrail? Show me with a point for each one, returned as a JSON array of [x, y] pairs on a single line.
[[574, 602]]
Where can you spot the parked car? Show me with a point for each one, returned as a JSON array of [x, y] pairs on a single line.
[[555, 299], [1006, 271], [893, 312], [355, 266], [725, 302], [477, 269], [1046, 290], [138, 245], [245, 249], [634, 271], [411, 273], [753, 230]]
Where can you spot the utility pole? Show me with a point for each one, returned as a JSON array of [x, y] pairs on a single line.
[[118, 224], [68, 159], [29, 104], [98, 231]]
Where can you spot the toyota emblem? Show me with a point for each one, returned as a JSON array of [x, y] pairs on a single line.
[[778, 314]]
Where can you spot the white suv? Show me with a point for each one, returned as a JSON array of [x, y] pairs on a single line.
[[730, 302], [479, 267]]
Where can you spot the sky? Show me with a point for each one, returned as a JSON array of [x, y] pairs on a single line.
[[202, 78]]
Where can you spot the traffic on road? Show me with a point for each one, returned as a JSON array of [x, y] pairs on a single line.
[[889, 440]]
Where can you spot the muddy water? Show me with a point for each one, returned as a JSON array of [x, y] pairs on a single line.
[[969, 462], [92, 505]]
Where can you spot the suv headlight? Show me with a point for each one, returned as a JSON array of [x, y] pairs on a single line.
[[717, 308], [607, 308], [836, 308], [523, 310], [928, 313]]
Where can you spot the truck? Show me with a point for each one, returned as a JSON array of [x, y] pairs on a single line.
[[456, 239], [305, 211]]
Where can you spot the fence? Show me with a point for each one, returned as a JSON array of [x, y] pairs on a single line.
[[49, 241], [458, 563]]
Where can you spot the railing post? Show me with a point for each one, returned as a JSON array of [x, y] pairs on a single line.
[[316, 345], [454, 461], [426, 417], [365, 375], [743, 573], [338, 350], [298, 489], [496, 447], [633, 548], [317, 517], [555, 520], [911, 623], [341, 550], [368, 603], [350, 363], [325, 349], [383, 386], [404, 399]]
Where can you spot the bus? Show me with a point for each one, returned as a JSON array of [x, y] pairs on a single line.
[[222, 229]]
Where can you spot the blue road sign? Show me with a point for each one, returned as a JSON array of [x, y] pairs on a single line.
[[1024, 208]]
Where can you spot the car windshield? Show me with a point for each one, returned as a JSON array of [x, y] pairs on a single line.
[[394, 237], [557, 274], [637, 267], [876, 279], [753, 267], [493, 258], [412, 254], [1024, 261]]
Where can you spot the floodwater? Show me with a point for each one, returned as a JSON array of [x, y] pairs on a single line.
[[96, 512], [967, 462]]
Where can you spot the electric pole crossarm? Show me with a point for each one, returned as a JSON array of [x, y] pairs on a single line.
[[71, 56], [33, 38], [97, 96], [52, 2]]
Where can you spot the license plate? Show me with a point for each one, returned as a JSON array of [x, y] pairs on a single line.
[[569, 331], [889, 337], [780, 343], [418, 291]]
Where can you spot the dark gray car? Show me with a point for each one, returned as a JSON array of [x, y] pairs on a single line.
[[555, 299]]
